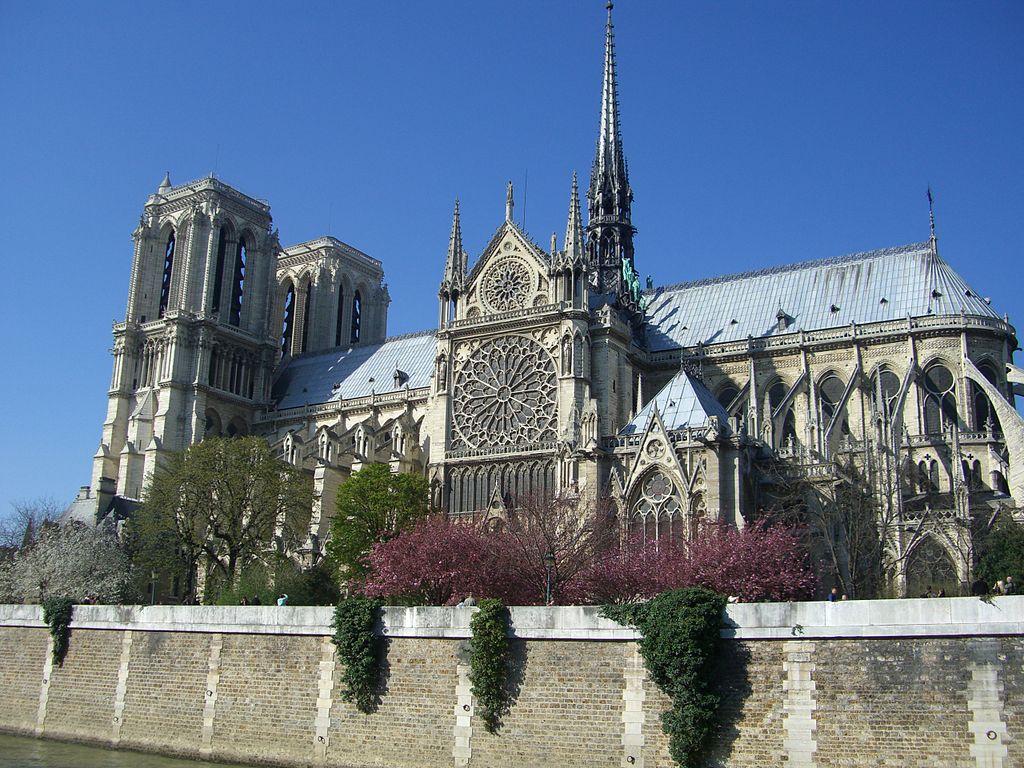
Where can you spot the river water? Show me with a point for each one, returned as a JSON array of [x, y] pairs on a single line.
[[26, 752]]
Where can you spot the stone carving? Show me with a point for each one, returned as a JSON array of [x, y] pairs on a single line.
[[505, 396], [506, 285]]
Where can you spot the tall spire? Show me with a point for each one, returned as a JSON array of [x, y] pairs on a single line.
[[609, 164], [610, 198], [931, 222], [574, 227], [455, 265]]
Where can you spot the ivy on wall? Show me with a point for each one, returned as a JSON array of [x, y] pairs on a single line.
[[679, 646], [489, 659], [57, 612], [360, 649]]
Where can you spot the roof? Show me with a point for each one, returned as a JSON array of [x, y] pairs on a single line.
[[340, 374], [870, 287], [683, 402]]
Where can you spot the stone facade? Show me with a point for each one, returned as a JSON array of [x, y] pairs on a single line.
[[933, 683], [552, 372]]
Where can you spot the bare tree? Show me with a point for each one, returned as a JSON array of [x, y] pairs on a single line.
[[20, 527]]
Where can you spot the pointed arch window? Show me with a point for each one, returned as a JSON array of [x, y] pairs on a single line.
[[657, 510], [165, 283], [305, 317], [939, 400], [338, 335], [885, 389], [288, 327], [357, 310], [218, 278], [830, 395], [984, 414], [238, 285]]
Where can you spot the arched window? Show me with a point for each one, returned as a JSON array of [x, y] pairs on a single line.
[[930, 567], [357, 309], [939, 400], [726, 395], [657, 509], [984, 414], [165, 283], [776, 394], [830, 394], [218, 278], [289, 320], [338, 320], [885, 388], [305, 317], [238, 286]]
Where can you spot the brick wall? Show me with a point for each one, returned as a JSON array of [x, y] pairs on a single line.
[[903, 683]]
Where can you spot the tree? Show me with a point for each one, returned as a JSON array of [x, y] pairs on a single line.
[[759, 563], [20, 527], [373, 505], [72, 560], [1002, 552], [220, 504], [550, 542], [436, 561]]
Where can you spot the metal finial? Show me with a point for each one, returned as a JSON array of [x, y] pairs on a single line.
[[931, 220]]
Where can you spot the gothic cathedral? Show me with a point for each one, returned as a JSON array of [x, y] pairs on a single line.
[[553, 372]]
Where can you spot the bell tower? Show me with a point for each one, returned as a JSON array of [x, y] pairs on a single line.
[[195, 351]]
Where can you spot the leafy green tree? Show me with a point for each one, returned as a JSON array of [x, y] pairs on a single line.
[[374, 504], [1002, 552], [219, 505]]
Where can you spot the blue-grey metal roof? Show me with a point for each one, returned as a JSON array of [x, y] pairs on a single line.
[[871, 287], [340, 374], [683, 402]]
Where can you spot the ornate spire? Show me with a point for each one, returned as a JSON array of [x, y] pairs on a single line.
[[455, 264], [574, 227], [609, 199], [609, 164]]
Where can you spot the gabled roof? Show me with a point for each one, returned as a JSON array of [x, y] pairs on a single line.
[[683, 402], [340, 374], [871, 287]]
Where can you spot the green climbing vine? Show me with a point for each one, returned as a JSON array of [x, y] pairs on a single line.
[[489, 658], [679, 645], [57, 612], [360, 649]]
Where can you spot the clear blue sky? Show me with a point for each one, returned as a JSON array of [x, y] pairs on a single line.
[[756, 134]]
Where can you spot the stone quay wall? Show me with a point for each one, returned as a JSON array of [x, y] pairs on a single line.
[[927, 683]]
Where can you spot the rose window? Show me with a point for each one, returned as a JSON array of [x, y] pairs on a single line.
[[505, 396], [506, 285]]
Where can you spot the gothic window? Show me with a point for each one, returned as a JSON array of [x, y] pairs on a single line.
[[698, 511], [505, 396], [165, 283], [287, 329], [885, 388], [830, 395], [238, 285], [211, 378], [306, 318], [339, 319], [984, 414], [930, 567], [776, 394], [657, 509], [726, 395], [939, 400], [357, 310], [218, 277]]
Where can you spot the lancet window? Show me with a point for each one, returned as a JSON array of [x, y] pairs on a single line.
[[338, 325], [657, 512], [165, 283], [830, 395], [885, 389], [238, 285], [984, 414], [357, 311], [288, 326], [218, 278], [939, 400]]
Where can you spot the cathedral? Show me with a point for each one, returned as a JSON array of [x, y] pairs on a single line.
[[553, 372]]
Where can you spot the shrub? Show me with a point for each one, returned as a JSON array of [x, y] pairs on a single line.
[[360, 649], [679, 643], [489, 661], [57, 613]]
